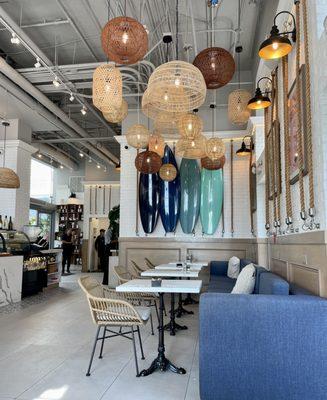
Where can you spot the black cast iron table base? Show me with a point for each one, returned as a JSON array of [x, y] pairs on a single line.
[[161, 363], [180, 310], [172, 325], [189, 300]]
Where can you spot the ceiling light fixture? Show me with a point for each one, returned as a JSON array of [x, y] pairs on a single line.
[[81, 154], [71, 98], [39, 155], [98, 166], [37, 64], [118, 167], [260, 100], [55, 82], [14, 38], [61, 166], [278, 44], [83, 110]]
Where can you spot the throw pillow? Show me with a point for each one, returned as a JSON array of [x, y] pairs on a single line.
[[245, 281], [233, 267]]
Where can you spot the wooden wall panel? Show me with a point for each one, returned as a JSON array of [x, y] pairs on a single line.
[[304, 276]]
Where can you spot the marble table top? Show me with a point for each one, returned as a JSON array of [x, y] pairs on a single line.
[[171, 273], [167, 286], [173, 266]]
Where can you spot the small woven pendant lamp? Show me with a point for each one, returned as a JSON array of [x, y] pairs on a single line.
[[124, 40], [190, 126], [157, 144], [192, 149], [148, 162], [168, 172], [107, 88], [117, 115], [8, 178], [207, 163], [138, 136]]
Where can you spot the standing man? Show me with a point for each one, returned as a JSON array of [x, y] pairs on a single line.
[[100, 247], [67, 249], [107, 242]]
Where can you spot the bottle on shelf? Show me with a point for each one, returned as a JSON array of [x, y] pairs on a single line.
[[10, 225], [1, 224], [5, 223]]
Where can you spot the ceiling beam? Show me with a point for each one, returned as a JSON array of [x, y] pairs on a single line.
[[71, 140]]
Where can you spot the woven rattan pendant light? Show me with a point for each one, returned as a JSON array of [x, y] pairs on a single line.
[[107, 88], [148, 162], [215, 147], [207, 163], [192, 149], [166, 124], [138, 136], [124, 40], [190, 126], [168, 172], [117, 115], [216, 64], [238, 111], [157, 144], [8, 178]]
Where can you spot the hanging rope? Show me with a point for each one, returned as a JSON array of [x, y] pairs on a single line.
[[308, 99], [177, 21], [288, 197], [223, 207], [250, 187], [231, 188], [267, 226], [277, 151], [271, 160], [299, 114], [137, 200]]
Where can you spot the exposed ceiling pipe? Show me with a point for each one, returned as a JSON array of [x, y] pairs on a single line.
[[21, 95], [75, 129], [57, 156]]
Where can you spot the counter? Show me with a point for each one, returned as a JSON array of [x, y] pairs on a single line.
[[11, 275]]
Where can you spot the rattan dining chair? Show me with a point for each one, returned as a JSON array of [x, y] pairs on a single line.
[[109, 310], [149, 264], [137, 299]]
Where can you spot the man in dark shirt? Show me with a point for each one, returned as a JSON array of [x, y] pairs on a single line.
[[100, 247], [67, 249]]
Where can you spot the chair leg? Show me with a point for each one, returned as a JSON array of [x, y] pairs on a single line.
[[102, 341], [140, 340], [151, 322], [93, 351], [135, 354]]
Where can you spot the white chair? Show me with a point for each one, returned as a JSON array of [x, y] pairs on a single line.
[[149, 264], [111, 309]]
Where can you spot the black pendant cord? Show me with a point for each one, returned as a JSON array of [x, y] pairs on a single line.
[[177, 22], [239, 53], [4, 146]]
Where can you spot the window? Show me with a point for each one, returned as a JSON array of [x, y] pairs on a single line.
[[41, 181], [33, 217]]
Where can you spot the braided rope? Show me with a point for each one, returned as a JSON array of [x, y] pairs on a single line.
[[272, 133], [231, 188], [308, 99], [288, 196], [267, 171], [223, 208], [277, 150], [250, 188], [299, 113]]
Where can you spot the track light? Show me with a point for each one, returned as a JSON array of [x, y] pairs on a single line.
[[83, 110], [14, 39], [55, 82], [278, 44], [39, 155], [98, 166], [118, 167], [90, 160], [260, 100], [61, 166], [105, 169], [71, 98], [37, 64], [81, 154]]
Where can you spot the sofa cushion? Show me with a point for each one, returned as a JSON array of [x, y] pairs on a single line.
[[218, 268], [272, 284], [233, 267], [245, 281], [259, 271], [221, 284]]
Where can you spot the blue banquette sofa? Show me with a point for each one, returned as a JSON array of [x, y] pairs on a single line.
[[270, 345]]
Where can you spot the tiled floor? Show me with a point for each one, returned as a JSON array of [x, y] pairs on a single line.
[[45, 347]]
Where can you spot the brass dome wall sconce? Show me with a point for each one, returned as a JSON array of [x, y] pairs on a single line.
[[260, 100]]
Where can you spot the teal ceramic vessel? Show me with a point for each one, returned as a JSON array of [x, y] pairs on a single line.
[[212, 193], [190, 194]]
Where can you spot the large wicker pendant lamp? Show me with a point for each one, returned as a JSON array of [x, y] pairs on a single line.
[[8, 178], [165, 123], [176, 86], [216, 64], [138, 136], [117, 115], [124, 40], [107, 88]]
